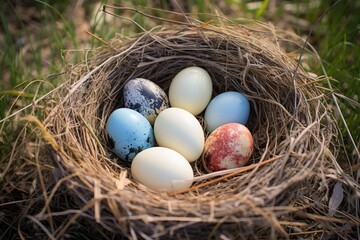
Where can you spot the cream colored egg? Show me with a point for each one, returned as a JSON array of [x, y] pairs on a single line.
[[162, 169], [191, 89], [179, 130]]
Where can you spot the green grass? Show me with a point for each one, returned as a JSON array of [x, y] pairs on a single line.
[[22, 54], [338, 44], [340, 49]]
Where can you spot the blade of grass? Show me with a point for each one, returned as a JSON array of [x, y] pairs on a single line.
[[69, 30], [17, 93], [261, 10]]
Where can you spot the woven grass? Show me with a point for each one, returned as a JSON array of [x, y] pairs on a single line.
[[283, 191]]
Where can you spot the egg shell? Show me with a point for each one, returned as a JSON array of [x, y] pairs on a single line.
[[191, 89], [162, 169], [227, 107], [130, 133], [179, 130], [229, 146], [145, 97]]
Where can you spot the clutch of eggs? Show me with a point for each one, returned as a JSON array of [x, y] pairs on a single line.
[[150, 118]]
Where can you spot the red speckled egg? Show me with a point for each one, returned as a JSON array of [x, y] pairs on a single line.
[[228, 146]]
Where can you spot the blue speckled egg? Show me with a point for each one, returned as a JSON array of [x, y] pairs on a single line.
[[145, 97], [129, 133]]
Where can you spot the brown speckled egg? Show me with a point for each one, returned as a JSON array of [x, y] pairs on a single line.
[[228, 146], [145, 97]]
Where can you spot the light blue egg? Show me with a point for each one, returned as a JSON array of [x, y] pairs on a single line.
[[129, 133], [227, 107]]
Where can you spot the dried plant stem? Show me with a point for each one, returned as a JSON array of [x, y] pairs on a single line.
[[216, 180], [98, 38]]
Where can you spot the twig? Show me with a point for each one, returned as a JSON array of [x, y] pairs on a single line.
[[228, 175], [98, 38]]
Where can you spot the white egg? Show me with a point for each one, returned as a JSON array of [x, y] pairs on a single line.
[[179, 130], [191, 89], [162, 169]]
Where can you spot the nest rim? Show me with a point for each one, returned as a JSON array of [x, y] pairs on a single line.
[[296, 143]]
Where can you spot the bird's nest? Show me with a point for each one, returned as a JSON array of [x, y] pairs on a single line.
[[283, 191]]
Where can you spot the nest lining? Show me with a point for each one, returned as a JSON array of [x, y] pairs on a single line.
[[289, 122]]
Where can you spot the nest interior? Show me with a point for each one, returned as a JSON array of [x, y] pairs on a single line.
[[289, 122]]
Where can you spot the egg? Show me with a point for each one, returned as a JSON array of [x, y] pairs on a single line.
[[191, 89], [227, 107], [162, 169], [179, 130], [145, 97], [228, 146], [129, 133]]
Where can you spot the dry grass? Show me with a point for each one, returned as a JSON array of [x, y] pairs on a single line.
[[285, 190]]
